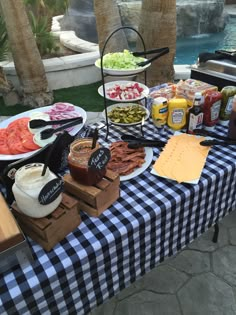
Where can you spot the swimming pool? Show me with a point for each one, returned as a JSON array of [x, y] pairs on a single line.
[[188, 49]]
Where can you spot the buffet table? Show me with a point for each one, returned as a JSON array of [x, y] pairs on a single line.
[[154, 218]]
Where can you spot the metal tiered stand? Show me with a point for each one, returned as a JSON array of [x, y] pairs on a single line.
[[102, 70]]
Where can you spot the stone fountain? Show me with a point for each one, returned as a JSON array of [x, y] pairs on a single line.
[[194, 17], [80, 18]]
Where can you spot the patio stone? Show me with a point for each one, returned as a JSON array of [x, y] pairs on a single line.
[[224, 264], [230, 220], [191, 262], [204, 242], [232, 236], [164, 279], [134, 288], [206, 294], [148, 303], [106, 308]]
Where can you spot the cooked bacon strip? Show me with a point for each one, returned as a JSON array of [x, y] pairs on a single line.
[[123, 159]]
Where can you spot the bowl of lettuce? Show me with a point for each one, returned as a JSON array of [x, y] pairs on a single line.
[[121, 63]]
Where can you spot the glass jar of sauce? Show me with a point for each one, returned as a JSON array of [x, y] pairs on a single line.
[[80, 153], [27, 187]]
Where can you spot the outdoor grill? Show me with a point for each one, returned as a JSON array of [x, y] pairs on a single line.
[[216, 72]]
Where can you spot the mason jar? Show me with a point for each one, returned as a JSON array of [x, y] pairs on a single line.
[[79, 155], [28, 184]]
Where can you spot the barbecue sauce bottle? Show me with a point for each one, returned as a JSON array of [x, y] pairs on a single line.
[[195, 114], [232, 121]]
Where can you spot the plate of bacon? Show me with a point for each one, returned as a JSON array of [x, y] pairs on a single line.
[[17, 139], [129, 163]]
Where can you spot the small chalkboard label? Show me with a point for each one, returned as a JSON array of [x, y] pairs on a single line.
[[50, 191], [99, 159]]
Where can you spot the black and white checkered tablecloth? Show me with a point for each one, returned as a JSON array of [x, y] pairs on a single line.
[[153, 219]]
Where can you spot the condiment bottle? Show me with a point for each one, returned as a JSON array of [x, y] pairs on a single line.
[[27, 187], [78, 158], [159, 111], [195, 114], [177, 109], [228, 93], [232, 121], [211, 109]]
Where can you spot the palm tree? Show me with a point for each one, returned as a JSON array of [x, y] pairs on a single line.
[[4, 84], [28, 63], [108, 20], [158, 29]]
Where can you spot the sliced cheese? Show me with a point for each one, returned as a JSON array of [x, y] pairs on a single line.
[[182, 159]]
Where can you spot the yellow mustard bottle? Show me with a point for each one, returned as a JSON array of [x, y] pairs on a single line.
[[177, 110]]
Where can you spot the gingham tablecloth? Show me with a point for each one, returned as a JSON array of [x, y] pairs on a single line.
[[153, 219]]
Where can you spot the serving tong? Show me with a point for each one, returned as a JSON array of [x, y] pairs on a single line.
[[38, 123], [47, 133], [139, 142], [160, 52], [209, 142]]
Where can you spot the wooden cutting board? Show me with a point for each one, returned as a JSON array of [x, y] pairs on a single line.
[[10, 233]]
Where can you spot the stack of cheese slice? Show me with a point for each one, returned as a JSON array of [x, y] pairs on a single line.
[[182, 159]]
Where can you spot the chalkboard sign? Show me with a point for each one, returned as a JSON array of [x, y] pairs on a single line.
[[99, 159], [50, 191]]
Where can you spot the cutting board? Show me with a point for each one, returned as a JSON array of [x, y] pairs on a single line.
[[10, 234]]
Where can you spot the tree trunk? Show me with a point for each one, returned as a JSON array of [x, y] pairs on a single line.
[[108, 20], [5, 86], [158, 29], [27, 60]]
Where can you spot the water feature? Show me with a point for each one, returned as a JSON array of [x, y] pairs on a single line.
[[188, 48], [193, 17]]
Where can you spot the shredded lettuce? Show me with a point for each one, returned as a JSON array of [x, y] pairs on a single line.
[[120, 60]]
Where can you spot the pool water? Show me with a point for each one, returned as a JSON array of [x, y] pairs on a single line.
[[188, 48]]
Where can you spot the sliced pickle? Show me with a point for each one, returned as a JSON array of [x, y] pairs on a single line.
[[127, 114]]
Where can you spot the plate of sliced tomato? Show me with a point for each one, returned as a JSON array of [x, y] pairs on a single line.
[[16, 140]]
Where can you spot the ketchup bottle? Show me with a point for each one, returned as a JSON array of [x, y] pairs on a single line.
[[211, 109], [232, 121]]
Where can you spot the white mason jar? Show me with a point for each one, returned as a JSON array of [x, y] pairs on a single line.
[[27, 187]]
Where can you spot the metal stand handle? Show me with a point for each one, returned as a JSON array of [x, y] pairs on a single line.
[[102, 72]]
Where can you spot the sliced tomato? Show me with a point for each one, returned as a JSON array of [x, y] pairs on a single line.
[[3, 142], [19, 138], [23, 123], [27, 140], [15, 144]]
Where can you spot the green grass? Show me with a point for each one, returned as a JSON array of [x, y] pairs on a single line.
[[85, 96]]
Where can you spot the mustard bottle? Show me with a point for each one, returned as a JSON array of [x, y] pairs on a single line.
[[177, 110]]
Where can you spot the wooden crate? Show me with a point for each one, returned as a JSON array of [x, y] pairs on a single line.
[[50, 230], [95, 199], [10, 234]]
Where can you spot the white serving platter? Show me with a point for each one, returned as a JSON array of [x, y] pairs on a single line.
[[111, 85], [122, 72], [6, 122]]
